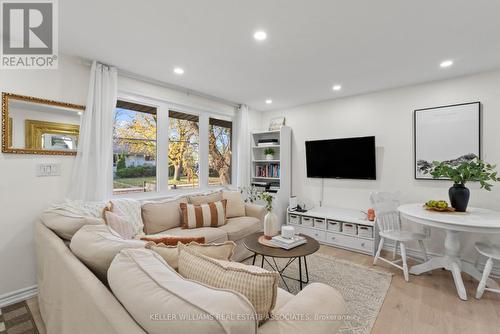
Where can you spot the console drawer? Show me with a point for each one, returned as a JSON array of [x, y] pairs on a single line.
[[293, 219], [350, 242], [334, 226], [319, 223], [306, 221], [318, 235]]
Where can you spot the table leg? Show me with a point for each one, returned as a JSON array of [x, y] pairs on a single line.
[[450, 261], [254, 257], [300, 273], [262, 263]]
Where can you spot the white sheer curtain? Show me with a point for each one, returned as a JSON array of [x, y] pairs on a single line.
[[243, 153], [92, 177]]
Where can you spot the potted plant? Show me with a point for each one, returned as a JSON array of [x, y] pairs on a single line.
[[271, 224], [471, 170], [269, 152]]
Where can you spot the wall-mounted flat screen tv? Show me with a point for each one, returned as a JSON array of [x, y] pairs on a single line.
[[344, 158]]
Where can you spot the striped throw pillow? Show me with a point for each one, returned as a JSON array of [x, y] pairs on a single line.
[[204, 215], [258, 285]]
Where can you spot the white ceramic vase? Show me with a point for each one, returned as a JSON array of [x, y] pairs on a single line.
[[269, 157], [271, 225]]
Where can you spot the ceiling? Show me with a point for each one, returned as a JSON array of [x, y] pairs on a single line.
[[312, 44]]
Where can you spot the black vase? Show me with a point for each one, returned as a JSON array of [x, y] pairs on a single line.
[[459, 197]]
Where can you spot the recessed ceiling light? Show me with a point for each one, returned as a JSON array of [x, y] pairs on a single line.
[[337, 87], [178, 71], [80, 113], [446, 63], [269, 101], [260, 35]]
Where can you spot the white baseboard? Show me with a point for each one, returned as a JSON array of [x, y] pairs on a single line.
[[417, 254], [18, 296]]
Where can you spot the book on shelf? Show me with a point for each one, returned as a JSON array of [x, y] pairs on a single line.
[[288, 243], [267, 170]]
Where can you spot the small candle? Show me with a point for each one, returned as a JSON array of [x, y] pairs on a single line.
[[287, 231]]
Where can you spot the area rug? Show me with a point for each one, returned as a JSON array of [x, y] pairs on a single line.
[[363, 288], [17, 319]]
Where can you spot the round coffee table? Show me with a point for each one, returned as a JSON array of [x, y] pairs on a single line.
[[251, 242]]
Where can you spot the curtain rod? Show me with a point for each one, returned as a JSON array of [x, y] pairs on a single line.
[[156, 82]]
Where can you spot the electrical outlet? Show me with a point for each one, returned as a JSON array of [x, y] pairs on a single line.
[[53, 169]]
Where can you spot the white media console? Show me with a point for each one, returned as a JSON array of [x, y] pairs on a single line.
[[343, 228]]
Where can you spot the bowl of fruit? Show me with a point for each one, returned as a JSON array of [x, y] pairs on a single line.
[[439, 205]]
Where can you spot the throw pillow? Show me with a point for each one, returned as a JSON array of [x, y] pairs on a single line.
[[205, 198], [131, 210], [97, 245], [235, 204], [171, 240], [119, 224], [222, 251], [204, 215], [258, 285], [161, 216]]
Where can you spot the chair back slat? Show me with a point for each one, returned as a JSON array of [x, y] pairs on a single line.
[[386, 210]]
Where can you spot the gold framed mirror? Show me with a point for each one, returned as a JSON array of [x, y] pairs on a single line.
[[32, 125]]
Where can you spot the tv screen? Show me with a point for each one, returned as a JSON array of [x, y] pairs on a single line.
[[345, 158]]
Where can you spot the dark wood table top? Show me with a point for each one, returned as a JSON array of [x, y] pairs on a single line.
[[251, 242]]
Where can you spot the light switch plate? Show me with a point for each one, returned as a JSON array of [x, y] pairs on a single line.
[[51, 169]]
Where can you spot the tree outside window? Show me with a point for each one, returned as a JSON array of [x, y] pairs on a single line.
[[220, 151], [134, 148]]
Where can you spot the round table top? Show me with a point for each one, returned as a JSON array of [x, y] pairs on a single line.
[[474, 220], [252, 243]]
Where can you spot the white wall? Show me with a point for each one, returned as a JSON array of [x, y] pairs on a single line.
[[23, 196], [388, 116]]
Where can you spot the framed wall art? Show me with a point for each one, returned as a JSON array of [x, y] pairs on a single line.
[[449, 133]]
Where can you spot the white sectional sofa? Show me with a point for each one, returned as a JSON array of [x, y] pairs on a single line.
[[74, 300]]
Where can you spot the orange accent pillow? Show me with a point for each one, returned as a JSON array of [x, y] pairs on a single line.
[[171, 240]]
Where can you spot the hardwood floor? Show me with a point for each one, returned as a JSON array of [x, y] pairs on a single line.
[[427, 304]]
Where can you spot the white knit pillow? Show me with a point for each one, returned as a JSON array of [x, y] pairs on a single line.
[[258, 285], [131, 210]]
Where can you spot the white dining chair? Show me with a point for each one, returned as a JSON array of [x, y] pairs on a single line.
[[389, 224], [491, 253]]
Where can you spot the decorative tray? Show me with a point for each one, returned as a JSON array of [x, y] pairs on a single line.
[[448, 209]]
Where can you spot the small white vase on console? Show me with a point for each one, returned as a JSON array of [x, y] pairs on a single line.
[[271, 225]]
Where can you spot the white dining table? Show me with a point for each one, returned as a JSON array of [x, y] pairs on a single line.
[[475, 220]]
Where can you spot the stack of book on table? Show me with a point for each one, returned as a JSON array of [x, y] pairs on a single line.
[[286, 243]]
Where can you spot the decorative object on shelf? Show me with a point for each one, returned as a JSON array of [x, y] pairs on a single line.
[[271, 223], [370, 215], [269, 152], [473, 170], [440, 206], [449, 133], [276, 123]]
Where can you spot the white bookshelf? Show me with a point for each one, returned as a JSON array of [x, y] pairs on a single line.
[[282, 159]]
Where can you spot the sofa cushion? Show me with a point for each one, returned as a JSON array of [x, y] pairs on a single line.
[[66, 226], [223, 251], [119, 224], [97, 245], [161, 216], [205, 198], [160, 300], [235, 205], [239, 227], [131, 210], [257, 284], [211, 214], [211, 234]]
